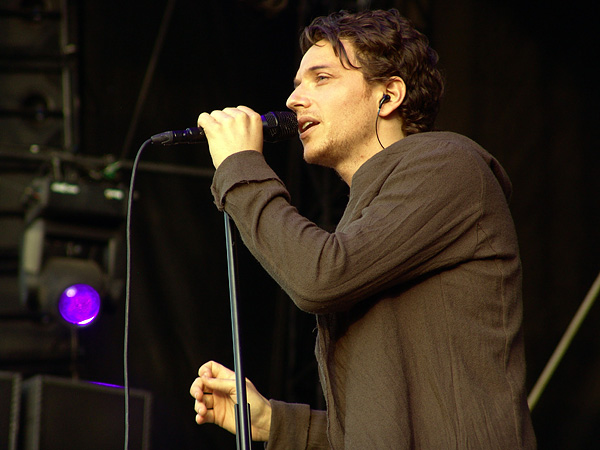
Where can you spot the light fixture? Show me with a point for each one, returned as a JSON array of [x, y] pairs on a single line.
[[68, 258], [74, 287]]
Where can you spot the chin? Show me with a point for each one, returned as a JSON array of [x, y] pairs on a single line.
[[316, 155], [312, 158]]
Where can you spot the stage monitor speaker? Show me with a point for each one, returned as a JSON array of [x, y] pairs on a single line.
[[10, 397], [64, 414]]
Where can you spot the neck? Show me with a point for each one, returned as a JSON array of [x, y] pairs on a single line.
[[347, 168]]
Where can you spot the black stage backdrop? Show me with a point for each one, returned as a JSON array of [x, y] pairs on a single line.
[[521, 81]]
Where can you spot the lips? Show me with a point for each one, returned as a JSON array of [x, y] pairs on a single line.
[[305, 124]]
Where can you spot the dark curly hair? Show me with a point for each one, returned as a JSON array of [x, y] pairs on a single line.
[[386, 45]]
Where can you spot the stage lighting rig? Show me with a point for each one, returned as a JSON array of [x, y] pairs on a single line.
[[70, 253]]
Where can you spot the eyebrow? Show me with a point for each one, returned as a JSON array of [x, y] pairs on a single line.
[[312, 69]]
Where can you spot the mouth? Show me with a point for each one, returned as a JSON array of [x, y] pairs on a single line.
[[305, 124]]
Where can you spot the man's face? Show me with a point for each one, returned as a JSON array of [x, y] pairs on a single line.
[[335, 106]]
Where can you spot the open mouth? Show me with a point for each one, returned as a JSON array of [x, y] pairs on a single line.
[[306, 124]]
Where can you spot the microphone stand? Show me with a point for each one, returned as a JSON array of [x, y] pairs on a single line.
[[242, 409]]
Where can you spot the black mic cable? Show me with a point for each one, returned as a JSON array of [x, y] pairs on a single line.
[[128, 289]]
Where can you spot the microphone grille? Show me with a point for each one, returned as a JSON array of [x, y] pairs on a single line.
[[281, 125]]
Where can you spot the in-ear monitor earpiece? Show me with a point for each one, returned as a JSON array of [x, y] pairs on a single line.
[[384, 99]]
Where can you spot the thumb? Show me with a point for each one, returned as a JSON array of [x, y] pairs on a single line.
[[220, 385]]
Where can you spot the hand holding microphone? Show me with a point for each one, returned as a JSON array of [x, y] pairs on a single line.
[[232, 130]]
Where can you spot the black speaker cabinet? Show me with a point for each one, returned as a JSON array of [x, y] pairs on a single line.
[[10, 397], [63, 414]]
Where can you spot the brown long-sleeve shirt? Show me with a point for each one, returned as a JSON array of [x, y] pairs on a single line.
[[417, 296]]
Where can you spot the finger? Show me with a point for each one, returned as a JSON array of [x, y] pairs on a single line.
[[229, 115], [204, 407], [208, 417], [213, 369], [253, 116], [208, 400], [200, 407], [197, 387], [205, 119], [232, 111], [206, 369], [221, 115], [248, 111], [206, 403], [240, 114], [203, 414]]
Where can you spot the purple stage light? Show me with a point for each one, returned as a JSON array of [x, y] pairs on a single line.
[[79, 304]]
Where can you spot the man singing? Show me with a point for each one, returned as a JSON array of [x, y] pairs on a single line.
[[417, 293]]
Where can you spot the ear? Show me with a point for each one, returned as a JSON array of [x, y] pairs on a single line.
[[395, 88]]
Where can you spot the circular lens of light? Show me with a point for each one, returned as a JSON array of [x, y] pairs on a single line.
[[79, 304]]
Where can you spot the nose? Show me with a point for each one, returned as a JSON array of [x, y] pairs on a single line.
[[297, 100]]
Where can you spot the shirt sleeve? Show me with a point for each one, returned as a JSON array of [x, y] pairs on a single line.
[[244, 168], [297, 427], [422, 218]]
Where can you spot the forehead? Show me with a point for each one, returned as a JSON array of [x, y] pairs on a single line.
[[322, 55]]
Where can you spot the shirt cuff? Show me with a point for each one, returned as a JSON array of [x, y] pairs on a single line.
[[297, 427], [240, 168]]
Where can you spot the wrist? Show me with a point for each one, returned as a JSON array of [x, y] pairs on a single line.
[[217, 159], [261, 427]]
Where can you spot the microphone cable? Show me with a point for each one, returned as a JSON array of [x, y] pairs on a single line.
[[128, 289]]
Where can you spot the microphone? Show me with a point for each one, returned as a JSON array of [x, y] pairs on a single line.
[[277, 126]]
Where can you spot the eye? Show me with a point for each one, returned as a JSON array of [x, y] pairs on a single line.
[[321, 77]]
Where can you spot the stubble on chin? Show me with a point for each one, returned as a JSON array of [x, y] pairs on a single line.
[[324, 154]]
